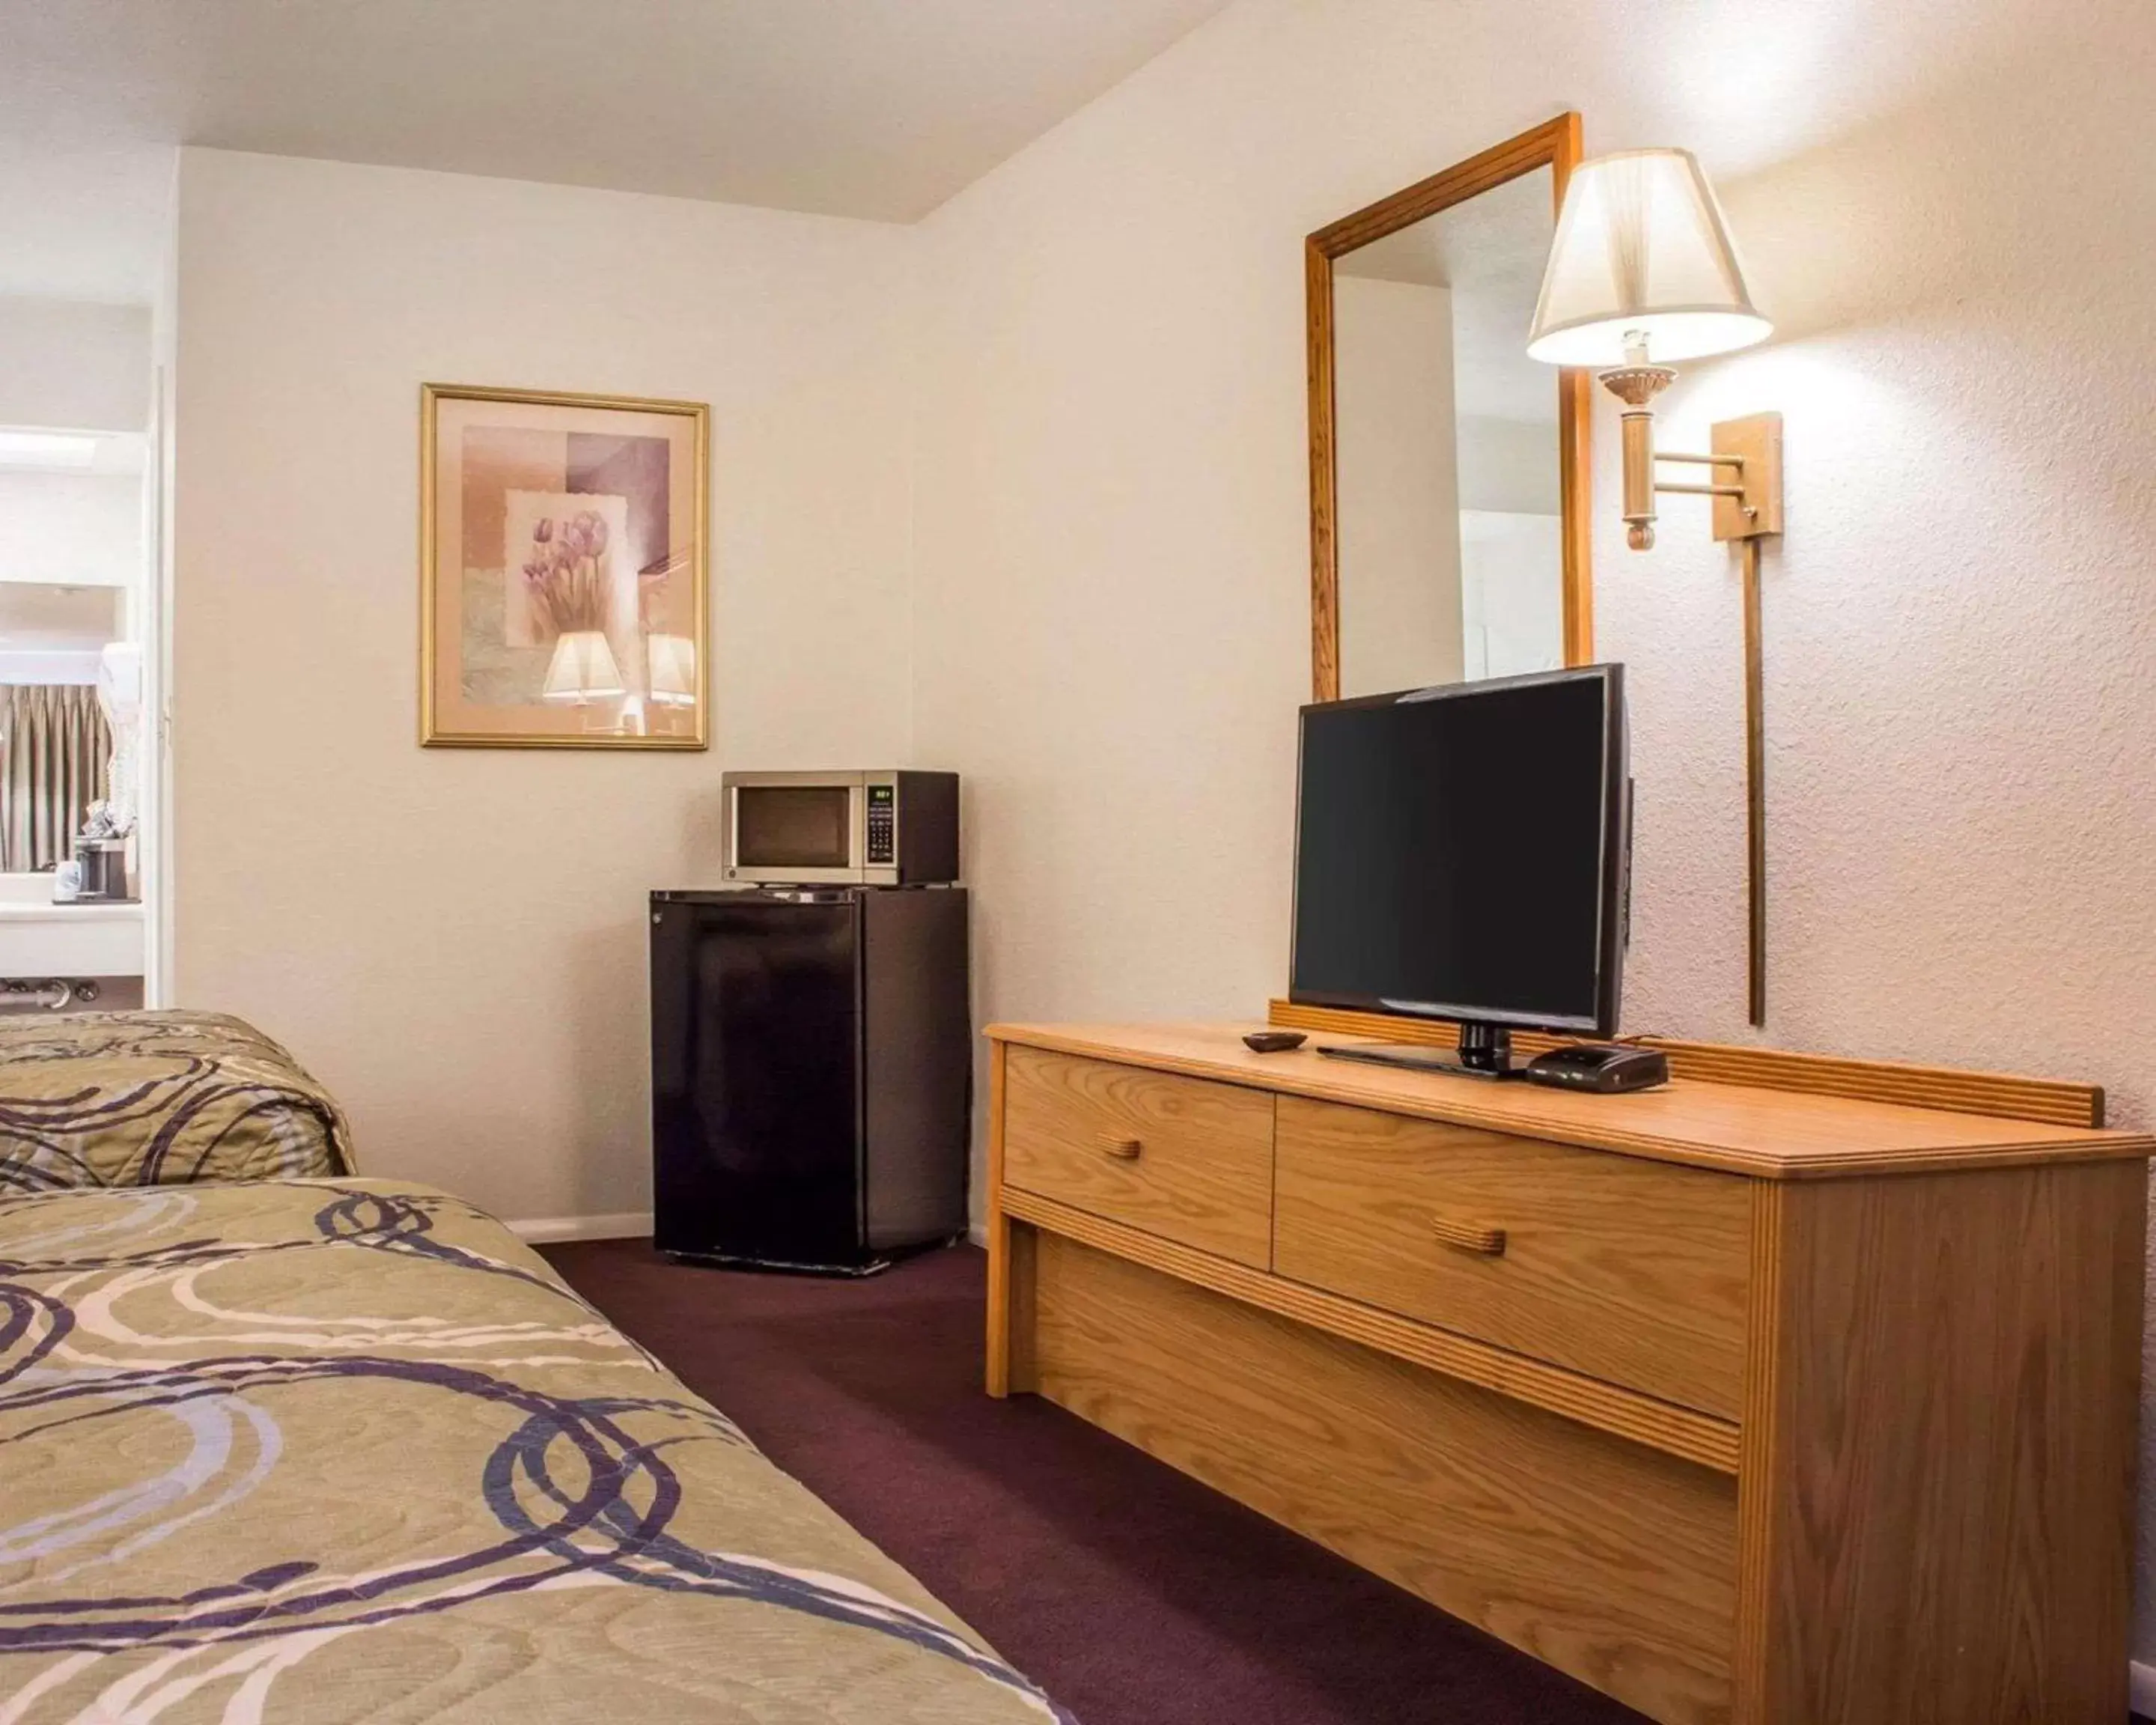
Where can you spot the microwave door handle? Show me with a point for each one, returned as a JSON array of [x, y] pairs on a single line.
[[857, 822]]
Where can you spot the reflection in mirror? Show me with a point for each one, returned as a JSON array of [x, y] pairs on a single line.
[[56, 739], [1449, 504]]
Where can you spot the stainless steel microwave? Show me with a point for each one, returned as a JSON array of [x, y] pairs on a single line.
[[876, 828]]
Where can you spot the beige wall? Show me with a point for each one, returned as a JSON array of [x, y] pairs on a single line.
[[1396, 437], [454, 939], [77, 364], [79, 529], [1947, 208]]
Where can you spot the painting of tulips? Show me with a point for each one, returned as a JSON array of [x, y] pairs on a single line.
[[563, 581], [569, 577]]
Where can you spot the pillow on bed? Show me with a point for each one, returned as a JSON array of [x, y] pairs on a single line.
[[157, 1098]]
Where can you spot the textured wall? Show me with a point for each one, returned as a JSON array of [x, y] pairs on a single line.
[[454, 939], [1949, 211]]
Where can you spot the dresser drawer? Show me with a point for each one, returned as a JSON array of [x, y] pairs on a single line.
[[1181, 1158], [1632, 1271], [1607, 1560]]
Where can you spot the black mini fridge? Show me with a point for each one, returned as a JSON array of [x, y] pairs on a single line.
[[811, 1073]]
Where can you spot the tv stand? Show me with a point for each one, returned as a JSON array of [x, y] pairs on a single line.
[[1485, 1052], [1789, 1405]]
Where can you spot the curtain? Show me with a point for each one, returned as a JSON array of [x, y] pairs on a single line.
[[53, 745]]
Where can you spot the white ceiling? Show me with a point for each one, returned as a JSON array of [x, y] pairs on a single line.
[[872, 108]]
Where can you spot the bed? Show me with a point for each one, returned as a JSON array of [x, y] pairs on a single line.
[[319, 1450], [156, 1098]]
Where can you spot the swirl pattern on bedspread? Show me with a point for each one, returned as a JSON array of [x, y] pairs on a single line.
[[317, 1450], [157, 1098]]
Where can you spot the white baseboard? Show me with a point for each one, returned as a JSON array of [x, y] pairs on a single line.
[[978, 1233], [2141, 1689], [552, 1230]]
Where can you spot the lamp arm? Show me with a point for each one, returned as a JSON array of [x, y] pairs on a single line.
[[1638, 431], [1636, 385], [1736, 491]]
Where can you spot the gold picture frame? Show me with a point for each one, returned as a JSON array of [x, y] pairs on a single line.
[[559, 604]]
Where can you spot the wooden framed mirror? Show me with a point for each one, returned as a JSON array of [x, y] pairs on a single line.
[[1449, 473]]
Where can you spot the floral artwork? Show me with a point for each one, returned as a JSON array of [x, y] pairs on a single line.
[[566, 549], [564, 571], [566, 579]]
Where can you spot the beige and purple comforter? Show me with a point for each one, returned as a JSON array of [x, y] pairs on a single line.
[[341, 1450], [157, 1098]]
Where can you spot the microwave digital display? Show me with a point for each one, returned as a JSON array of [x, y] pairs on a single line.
[[793, 827], [883, 815]]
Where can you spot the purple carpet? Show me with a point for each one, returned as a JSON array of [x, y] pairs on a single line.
[[1132, 1594]]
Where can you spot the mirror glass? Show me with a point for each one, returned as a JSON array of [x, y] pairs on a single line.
[[1449, 501]]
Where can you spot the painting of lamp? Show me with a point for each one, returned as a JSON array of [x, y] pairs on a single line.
[[672, 660], [582, 669]]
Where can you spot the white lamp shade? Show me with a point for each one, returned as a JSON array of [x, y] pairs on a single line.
[[672, 662], [583, 668], [1642, 250]]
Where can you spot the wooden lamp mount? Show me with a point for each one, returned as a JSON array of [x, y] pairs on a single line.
[[1744, 468]]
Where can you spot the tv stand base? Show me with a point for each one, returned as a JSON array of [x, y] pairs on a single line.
[[1485, 1052]]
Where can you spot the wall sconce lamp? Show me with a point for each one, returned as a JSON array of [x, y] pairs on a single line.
[[1642, 272]]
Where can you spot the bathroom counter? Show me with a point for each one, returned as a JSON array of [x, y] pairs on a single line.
[[39, 938]]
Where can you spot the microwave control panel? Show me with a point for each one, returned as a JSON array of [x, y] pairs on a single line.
[[883, 845]]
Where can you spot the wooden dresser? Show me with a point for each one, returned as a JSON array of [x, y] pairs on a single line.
[[1739, 1404]]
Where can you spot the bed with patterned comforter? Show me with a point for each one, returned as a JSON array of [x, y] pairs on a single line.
[[323, 1450], [156, 1098]]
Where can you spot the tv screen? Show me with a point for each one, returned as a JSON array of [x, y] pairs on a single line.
[[1460, 852]]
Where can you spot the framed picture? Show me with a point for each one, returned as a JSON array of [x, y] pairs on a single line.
[[562, 586]]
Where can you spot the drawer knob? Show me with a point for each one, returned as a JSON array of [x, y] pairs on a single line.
[[1468, 1237], [1123, 1149]]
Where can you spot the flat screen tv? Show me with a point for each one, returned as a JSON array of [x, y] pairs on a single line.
[[1461, 853]]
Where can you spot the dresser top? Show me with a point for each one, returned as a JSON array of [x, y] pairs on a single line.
[[1772, 1134]]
